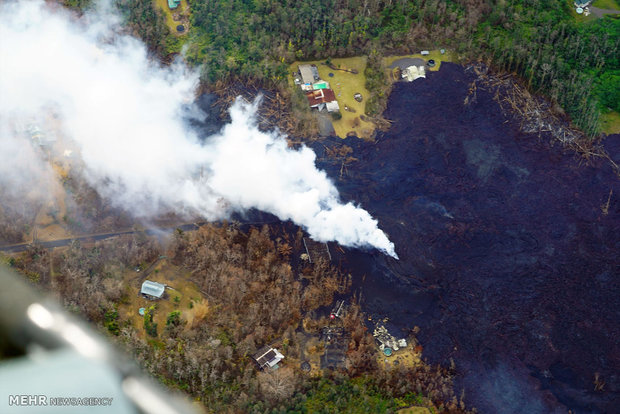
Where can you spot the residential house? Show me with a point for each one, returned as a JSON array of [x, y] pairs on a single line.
[[267, 357], [320, 99], [152, 290], [309, 74], [413, 72]]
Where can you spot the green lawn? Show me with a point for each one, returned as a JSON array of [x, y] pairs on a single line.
[[170, 275], [182, 9], [610, 122], [345, 85], [581, 18], [606, 4]]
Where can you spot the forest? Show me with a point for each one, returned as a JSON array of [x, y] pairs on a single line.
[[573, 63], [253, 292]]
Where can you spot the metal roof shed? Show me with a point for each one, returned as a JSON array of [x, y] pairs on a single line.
[[332, 106], [307, 76], [268, 357], [153, 289]]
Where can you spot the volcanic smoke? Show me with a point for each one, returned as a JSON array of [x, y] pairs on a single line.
[[123, 115]]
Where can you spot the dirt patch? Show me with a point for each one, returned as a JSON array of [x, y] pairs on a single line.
[[181, 295]]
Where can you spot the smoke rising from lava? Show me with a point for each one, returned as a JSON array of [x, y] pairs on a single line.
[[123, 116]]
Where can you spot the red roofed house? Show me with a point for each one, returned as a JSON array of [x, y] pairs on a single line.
[[323, 98]]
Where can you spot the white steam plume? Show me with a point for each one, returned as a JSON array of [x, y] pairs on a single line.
[[123, 115]]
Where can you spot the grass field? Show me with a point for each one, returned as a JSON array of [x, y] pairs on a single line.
[[414, 410], [581, 18], [345, 85], [610, 122], [172, 276], [182, 10], [607, 4]]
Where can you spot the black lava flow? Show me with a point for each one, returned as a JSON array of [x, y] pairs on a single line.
[[508, 262]]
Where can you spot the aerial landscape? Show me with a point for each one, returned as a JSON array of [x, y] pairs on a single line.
[[268, 206]]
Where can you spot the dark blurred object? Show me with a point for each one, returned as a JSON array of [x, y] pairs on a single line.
[[50, 357]]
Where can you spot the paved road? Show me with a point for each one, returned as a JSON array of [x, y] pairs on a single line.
[[404, 63], [20, 247], [601, 12], [326, 128]]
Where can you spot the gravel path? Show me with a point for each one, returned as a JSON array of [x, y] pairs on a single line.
[[601, 12], [406, 62]]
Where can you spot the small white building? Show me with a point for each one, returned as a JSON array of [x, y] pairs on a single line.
[[332, 106], [152, 290], [582, 7], [414, 72], [268, 357]]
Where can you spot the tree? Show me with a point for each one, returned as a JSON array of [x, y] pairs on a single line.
[[174, 323], [277, 385], [149, 326]]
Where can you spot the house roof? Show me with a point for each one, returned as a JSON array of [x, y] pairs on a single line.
[[320, 96], [268, 356], [306, 73], [315, 72], [152, 288], [332, 106], [414, 72]]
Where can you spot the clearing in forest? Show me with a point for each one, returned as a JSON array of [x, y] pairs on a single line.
[[182, 288], [345, 84], [175, 17], [610, 123], [435, 55], [607, 4], [414, 410]]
